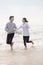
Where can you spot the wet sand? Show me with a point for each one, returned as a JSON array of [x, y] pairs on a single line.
[[21, 56]]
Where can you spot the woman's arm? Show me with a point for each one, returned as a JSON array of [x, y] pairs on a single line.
[[20, 27], [16, 30]]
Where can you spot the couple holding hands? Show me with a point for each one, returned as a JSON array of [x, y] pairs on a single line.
[[11, 28]]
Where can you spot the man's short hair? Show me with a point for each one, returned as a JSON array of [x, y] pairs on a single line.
[[11, 17]]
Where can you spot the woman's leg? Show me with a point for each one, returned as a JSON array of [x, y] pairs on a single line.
[[24, 39], [28, 41], [31, 42]]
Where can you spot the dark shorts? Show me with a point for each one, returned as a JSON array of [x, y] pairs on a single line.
[[10, 38], [26, 39]]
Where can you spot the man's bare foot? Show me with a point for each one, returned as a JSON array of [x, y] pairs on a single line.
[[11, 46]]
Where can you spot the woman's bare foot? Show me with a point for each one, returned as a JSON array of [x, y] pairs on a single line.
[[32, 44]]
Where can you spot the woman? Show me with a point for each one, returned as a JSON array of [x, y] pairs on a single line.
[[26, 35]]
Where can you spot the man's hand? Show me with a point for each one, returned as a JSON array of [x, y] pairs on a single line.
[[7, 30]]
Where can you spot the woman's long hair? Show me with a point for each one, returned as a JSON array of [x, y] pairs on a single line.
[[25, 19]]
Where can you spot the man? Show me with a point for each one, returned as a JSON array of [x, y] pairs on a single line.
[[10, 29]]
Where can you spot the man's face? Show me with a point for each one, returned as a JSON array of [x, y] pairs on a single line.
[[12, 19]]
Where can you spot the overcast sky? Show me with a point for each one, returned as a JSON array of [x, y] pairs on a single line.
[[31, 9]]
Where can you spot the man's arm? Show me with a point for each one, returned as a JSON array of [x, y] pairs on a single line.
[[15, 27]]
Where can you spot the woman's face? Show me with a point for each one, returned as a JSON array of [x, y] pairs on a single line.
[[23, 20]]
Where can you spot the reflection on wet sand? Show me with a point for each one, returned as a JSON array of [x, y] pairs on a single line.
[[21, 56]]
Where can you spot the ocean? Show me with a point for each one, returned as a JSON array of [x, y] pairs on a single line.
[[36, 35]]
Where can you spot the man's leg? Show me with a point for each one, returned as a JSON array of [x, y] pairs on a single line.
[[8, 38], [11, 38]]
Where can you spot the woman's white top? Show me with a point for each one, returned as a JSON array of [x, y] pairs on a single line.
[[25, 27]]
